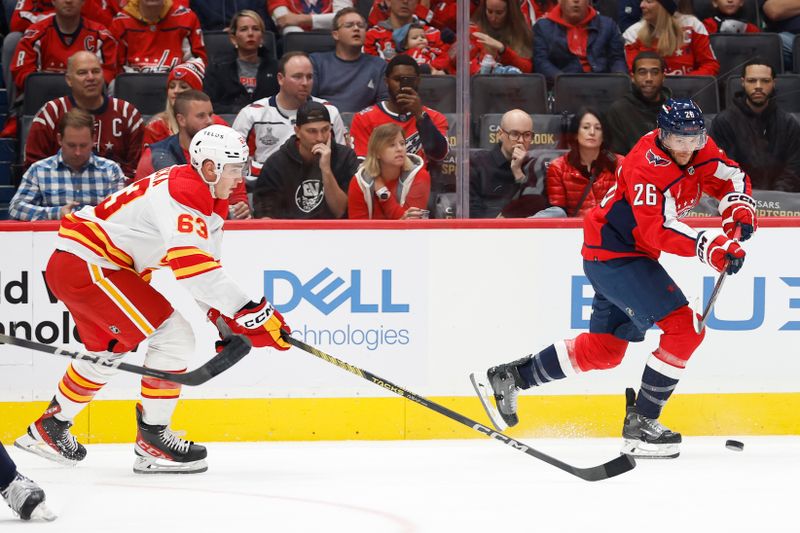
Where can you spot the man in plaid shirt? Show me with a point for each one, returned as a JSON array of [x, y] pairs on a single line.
[[74, 177]]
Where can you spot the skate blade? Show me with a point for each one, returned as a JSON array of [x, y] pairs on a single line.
[[42, 512], [482, 389], [31, 445], [642, 450], [154, 465]]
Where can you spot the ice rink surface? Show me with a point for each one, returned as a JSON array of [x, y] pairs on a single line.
[[424, 486]]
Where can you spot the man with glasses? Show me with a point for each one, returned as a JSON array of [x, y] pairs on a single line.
[[346, 77], [659, 182], [497, 176]]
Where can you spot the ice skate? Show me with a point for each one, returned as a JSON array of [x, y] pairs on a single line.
[[26, 499], [504, 381], [160, 451], [50, 438], [647, 438], [483, 390]]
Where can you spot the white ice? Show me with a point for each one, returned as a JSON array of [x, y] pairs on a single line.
[[424, 486]]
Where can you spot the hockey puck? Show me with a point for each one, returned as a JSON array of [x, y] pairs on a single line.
[[734, 445]]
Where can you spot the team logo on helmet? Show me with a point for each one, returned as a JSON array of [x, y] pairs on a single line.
[[656, 160]]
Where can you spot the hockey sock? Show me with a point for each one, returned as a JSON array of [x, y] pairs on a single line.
[[76, 389], [159, 399], [8, 470], [656, 387], [542, 368]]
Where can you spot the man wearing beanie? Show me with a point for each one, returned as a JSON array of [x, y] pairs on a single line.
[[118, 125], [307, 178]]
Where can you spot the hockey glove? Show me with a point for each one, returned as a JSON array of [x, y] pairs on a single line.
[[738, 209], [720, 252], [259, 322]]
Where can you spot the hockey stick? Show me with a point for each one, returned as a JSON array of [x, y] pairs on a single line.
[[700, 324], [612, 468], [235, 349]]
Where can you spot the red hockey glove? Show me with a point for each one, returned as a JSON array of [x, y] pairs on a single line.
[[260, 322], [720, 252], [738, 209]]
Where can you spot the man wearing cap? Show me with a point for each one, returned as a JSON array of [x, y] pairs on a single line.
[[118, 125], [308, 177]]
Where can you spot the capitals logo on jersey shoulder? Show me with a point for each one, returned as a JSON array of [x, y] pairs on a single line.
[[656, 160]]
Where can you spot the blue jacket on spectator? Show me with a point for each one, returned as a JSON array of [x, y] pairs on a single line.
[[166, 153], [551, 55], [217, 14]]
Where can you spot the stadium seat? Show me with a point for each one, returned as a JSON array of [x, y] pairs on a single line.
[[40, 88], [540, 160], [347, 118], [147, 92], [546, 130], [308, 41], [573, 91], [443, 174], [787, 91], [499, 93], [701, 89], [609, 8], [734, 49], [438, 93], [228, 117], [219, 46], [704, 9], [24, 129], [796, 54]]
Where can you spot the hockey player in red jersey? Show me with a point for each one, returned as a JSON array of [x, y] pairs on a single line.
[[660, 181], [101, 269]]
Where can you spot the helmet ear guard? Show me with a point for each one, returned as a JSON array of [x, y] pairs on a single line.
[[221, 145]]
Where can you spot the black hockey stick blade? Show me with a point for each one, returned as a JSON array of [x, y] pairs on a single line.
[[236, 347], [612, 468]]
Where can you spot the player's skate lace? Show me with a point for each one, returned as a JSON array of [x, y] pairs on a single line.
[[173, 440], [18, 493], [651, 427]]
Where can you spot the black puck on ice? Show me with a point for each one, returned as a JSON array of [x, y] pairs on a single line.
[[734, 445]]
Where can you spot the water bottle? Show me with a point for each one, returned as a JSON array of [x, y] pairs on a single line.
[[487, 64]]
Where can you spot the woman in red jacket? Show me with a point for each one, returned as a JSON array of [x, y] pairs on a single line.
[[578, 180], [391, 183]]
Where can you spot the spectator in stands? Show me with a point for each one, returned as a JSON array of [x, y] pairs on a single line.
[[380, 12], [634, 114], [118, 124], [215, 15], [184, 77], [391, 183], [574, 37], [783, 18], [292, 16], [728, 18], [578, 180], [680, 39], [499, 31], [193, 112], [74, 177], [29, 12], [425, 130], [48, 44], [250, 75], [412, 41], [347, 77], [269, 122], [156, 35], [379, 41], [307, 177], [497, 176], [763, 138]]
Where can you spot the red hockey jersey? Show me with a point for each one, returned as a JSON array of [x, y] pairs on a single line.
[[693, 57], [146, 47], [118, 132], [379, 42], [370, 118], [29, 12], [640, 215], [44, 48]]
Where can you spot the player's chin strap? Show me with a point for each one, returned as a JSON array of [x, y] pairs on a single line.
[[700, 323]]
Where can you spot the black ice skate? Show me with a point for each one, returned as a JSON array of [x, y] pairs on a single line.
[[26, 499], [160, 451], [50, 438], [646, 437], [504, 382]]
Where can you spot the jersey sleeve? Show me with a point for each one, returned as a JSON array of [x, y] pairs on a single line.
[[108, 55], [26, 58], [727, 176], [359, 132]]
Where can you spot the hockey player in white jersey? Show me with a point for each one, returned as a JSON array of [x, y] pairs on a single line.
[[100, 269]]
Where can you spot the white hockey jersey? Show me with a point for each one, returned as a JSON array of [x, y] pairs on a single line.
[[266, 128], [166, 220]]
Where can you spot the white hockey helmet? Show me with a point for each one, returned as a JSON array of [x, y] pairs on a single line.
[[220, 144]]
